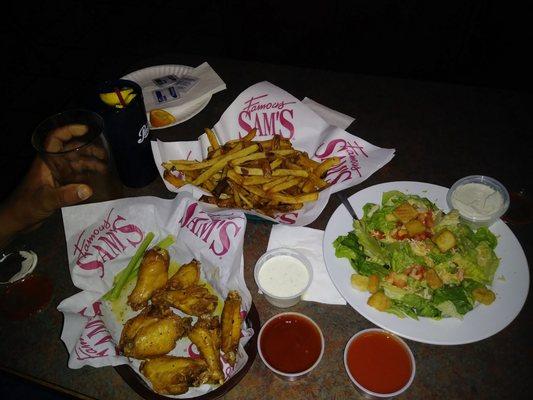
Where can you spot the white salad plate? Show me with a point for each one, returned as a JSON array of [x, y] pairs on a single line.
[[143, 78], [511, 280]]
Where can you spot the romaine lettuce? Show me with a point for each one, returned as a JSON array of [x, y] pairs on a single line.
[[455, 294], [421, 306], [348, 246], [484, 235], [370, 245], [395, 198], [375, 218], [402, 256]]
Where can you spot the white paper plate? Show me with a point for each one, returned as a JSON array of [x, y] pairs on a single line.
[[144, 77], [511, 281]]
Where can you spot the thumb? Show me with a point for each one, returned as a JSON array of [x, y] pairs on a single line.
[[70, 194]]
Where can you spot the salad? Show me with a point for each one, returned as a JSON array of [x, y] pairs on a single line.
[[417, 261]]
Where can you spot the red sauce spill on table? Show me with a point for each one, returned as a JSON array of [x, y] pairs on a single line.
[[379, 362], [290, 343], [25, 297]]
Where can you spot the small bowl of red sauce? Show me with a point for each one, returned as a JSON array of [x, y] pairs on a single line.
[[379, 364], [291, 345]]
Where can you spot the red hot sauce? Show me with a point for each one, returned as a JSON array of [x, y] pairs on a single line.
[[379, 362], [290, 343]]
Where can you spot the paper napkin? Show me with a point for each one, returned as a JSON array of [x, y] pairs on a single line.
[[308, 241]]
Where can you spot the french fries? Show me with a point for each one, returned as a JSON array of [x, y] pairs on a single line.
[[269, 177]]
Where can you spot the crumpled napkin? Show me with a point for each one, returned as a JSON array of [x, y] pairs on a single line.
[[308, 241]]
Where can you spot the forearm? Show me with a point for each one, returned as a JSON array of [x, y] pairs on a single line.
[[9, 224]]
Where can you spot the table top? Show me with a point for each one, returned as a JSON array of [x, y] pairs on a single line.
[[440, 132]]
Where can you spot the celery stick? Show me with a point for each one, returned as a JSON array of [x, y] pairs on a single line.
[[114, 293], [163, 244], [166, 242]]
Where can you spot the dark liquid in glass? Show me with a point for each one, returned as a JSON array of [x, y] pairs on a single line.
[[26, 297]]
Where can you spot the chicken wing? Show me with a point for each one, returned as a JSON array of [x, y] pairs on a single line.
[[194, 300], [186, 276], [153, 275], [174, 375], [152, 333], [231, 326], [205, 334]]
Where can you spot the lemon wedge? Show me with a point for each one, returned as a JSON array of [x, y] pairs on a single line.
[[111, 98]]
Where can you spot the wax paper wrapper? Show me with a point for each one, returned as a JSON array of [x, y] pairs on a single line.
[[273, 111], [102, 237]]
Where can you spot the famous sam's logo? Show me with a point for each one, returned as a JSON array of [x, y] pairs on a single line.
[[95, 340], [105, 242], [349, 152], [216, 231], [268, 117]]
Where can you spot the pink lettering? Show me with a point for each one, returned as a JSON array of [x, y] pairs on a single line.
[[270, 123], [91, 265], [269, 118], [286, 123], [288, 218], [105, 243], [225, 238], [104, 254], [130, 228], [98, 326], [331, 148], [244, 124], [113, 243], [257, 125], [97, 311], [188, 214]]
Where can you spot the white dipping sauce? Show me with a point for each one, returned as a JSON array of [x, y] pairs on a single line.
[[476, 200], [283, 276]]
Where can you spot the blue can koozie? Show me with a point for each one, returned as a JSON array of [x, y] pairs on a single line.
[[126, 130]]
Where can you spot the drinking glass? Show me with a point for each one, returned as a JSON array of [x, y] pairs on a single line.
[[73, 146], [23, 292]]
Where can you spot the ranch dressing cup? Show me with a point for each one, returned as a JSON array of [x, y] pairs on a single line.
[[480, 200], [283, 275]]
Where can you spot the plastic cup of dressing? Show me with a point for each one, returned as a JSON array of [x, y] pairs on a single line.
[[480, 200], [283, 275]]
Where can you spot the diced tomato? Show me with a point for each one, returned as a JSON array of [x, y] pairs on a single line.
[[377, 234], [401, 234], [428, 220], [416, 272], [423, 236], [398, 280]]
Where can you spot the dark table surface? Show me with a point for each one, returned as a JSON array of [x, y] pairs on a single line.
[[440, 132]]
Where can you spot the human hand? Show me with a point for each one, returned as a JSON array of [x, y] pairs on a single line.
[[39, 194]]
